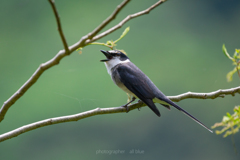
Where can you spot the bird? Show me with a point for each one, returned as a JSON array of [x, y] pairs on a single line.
[[133, 81]]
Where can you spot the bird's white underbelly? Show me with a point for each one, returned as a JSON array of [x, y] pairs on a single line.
[[125, 89], [155, 100]]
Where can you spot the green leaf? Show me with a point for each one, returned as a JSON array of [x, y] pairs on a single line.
[[225, 119], [109, 42], [229, 115], [236, 109], [226, 53], [230, 74], [235, 56], [230, 123], [123, 34]]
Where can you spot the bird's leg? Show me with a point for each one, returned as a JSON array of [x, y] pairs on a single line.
[[126, 105]]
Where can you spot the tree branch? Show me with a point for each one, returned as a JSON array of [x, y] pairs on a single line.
[[68, 50], [108, 20], [99, 111], [59, 26], [129, 17], [211, 95]]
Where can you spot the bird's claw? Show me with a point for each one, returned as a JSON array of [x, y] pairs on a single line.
[[126, 107]]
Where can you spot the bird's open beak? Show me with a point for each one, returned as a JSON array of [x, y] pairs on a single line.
[[108, 56]]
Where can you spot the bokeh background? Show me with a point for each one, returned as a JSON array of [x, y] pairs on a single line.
[[178, 45]]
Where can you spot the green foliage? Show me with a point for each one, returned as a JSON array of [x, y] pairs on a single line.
[[110, 44], [230, 123], [231, 73], [225, 52], [123, 34], [236, 62]]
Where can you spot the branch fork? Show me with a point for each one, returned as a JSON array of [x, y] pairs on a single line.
[[85, 40]]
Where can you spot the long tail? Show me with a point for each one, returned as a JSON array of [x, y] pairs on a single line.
[[185, 112]]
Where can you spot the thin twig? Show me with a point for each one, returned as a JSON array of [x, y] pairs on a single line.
[[54, 61], [211, 95], [59, 25], [99, 111], [108, 20], [119, 25]]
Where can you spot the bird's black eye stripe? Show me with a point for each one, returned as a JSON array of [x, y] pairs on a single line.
[[115, 54]]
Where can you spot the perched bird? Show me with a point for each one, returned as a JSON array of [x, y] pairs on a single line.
[[133, 81]]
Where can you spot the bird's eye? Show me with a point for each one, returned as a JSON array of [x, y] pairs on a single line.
[[115, 54]]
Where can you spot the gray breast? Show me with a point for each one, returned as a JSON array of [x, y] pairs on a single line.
[[117, 80]]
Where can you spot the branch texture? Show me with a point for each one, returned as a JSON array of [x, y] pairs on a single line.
[[99, 111], [129, 17], [108, 20], [211, 95], [68, 50], [59, 25]]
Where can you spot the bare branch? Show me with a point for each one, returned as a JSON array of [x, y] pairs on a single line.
[[56, 120], [108, 20], [125, 20], [211, 95], [55, 60], [59, 25], [99, 111]]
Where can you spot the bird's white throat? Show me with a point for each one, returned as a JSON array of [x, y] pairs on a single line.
[[113, 62]]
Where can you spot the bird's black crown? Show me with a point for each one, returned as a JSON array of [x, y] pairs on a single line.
[[114, 53]]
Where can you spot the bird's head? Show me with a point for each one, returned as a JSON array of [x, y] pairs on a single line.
[[114, 57]]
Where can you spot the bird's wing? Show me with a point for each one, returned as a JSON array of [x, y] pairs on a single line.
[[136, 83], [139, 84]]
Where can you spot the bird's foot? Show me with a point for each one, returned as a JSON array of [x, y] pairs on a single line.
[[126, 105]]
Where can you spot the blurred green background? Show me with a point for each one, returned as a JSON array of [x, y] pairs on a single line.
[[178, 45]]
